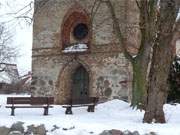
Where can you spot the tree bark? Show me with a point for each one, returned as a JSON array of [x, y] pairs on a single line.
[[158, 82], [141, 62], [160, 66], [139, 85]]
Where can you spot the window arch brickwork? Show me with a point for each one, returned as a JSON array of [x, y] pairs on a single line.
[[75, 15]]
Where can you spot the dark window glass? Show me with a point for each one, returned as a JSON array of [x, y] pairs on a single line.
[[1, 85], [80, 31]]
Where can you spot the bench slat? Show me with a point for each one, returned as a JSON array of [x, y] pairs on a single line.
[[18, 100], [42, 100], [77, 105], [29, 106], [30, 100]]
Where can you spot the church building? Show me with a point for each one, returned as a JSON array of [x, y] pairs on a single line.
[[76, 52]]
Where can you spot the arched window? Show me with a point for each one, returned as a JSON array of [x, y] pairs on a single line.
[[75, 28]]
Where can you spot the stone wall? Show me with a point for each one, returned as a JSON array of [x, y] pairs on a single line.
[[110, 72], [19, 129]]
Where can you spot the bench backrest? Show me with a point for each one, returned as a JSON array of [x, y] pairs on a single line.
[[42, 100], [88, 100], [18, 100], [30, 100]]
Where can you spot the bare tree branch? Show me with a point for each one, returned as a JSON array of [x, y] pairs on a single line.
[[118, 29], [7, 52], [24, 13], [138, 5]]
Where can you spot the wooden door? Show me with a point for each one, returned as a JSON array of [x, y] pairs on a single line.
[[80, 87]]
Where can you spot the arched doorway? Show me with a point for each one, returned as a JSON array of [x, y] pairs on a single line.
[[74, 81], [80, 80]]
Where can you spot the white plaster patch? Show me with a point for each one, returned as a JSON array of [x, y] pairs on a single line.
[[178, 47]]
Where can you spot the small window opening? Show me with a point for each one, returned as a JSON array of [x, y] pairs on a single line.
[[1, 85], [80, 31]]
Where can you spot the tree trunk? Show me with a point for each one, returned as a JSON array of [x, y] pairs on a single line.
[[139, 85], [140, 66], [158, 82], [160, 66], [141, 62]]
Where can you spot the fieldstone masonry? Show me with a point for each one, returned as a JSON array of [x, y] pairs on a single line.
[[110, 73]]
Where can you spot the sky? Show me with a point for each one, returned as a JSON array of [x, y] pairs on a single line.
[[19, 29]]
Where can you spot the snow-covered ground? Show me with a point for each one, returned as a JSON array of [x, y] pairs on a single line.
[[115, 114]]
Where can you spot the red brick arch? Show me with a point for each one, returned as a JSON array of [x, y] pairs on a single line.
[[74, 16]]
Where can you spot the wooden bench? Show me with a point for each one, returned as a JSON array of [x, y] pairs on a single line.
[[79, 102], [30, 102]]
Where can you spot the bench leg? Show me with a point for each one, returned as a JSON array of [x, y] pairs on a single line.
[[68, 110], [91, 108], [46, 110], [12, 111]]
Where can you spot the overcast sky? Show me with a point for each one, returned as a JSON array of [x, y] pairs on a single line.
[[20, 29]]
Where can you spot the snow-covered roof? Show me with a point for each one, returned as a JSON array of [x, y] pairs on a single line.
[[9, 74], [76, 48], [4, 77]]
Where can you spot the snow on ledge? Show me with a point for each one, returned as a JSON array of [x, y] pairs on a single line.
[[76, 48]]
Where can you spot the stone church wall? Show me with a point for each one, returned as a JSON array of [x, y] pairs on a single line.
[[110, 72]]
